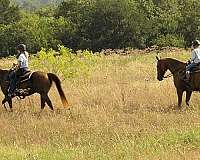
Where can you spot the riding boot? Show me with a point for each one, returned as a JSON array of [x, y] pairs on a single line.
[[187, 75], [11, 89], [188, 84]]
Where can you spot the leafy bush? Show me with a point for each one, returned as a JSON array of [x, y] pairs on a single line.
[[65, 63], [8, 13], [36, 32], [99, 24], [170, 40]]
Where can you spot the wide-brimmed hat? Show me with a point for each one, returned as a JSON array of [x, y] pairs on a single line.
[[196, 43], [21, 47]]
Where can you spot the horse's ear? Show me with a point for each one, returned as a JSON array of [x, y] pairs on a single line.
[[157, 58]]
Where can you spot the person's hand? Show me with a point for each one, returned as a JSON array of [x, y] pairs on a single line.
[[188, 62], [14, 66]]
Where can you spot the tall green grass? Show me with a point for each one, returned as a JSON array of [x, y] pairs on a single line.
[[118, 111]]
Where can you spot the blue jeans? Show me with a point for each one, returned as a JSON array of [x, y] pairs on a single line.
[[14, 76], [191, 66]]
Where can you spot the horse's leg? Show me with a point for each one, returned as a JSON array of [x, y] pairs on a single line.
[[9, 100], [3, 103], [45, 98], [42, 102], [10, 104], [49, 102], [180, 95], [188, 95]]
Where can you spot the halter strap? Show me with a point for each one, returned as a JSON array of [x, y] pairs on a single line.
[[168, 76], [171, 74]]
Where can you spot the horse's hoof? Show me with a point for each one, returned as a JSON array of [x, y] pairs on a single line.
[[179, 108]]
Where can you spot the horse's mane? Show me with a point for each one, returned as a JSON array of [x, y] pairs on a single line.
[[2, 71], [173, 60]]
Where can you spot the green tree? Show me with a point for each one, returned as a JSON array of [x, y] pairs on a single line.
[[189, 24], [163, 19], [115, 24], [8, 13], [34, 31], [105, 23], [97, 24]]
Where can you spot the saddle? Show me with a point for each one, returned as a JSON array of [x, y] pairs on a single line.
[[21, 93], [186, 77], [25, 77], [195, 69]]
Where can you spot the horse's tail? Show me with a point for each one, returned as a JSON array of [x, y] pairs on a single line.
[[54, 78]]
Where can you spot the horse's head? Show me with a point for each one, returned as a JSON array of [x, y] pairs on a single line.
[[161, 69], [173, 65]]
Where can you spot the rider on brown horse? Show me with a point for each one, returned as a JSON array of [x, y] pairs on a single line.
[[20, 68], [30, 83], [195, 60]]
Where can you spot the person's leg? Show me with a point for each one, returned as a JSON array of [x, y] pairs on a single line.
[[191, 66], [20, 72], [12, 84], [188, 70]]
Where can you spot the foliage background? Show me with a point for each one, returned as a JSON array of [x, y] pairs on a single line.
[[118, 108]]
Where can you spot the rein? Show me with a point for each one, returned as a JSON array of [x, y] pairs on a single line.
[[168, 76], [171, 74]]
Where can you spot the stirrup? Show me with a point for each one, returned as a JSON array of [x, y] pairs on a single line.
[[22, 93], [9, 95], [187, 75], [188, 86]]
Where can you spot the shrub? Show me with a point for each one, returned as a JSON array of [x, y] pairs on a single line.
[[65, 63], [170, 40], [36, 32]]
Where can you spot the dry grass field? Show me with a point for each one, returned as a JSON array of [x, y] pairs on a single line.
[[119, 112]]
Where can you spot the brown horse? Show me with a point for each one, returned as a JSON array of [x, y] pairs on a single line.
[[177, 69], [39, 82]]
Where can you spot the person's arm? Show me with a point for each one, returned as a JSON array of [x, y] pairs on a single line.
[[193, 56], [19, 62]]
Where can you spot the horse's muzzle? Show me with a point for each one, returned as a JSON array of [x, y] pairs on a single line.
[[160, 78]]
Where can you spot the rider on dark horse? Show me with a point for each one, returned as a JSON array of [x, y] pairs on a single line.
[[19, 69], [195, 60]]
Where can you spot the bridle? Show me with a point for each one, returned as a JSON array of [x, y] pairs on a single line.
[[180, 69], [171, 74], [168, 76]]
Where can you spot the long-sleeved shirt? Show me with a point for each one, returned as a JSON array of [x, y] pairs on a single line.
[[23, 60], [196, 55]]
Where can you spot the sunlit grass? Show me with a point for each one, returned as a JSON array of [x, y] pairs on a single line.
[[119, 111]]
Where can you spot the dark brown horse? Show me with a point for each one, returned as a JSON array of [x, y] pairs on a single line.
[[177, 69], [39, 82]]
